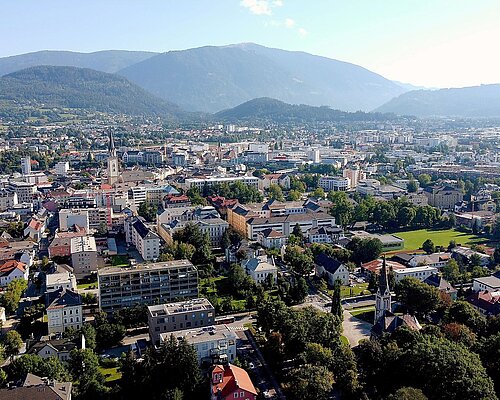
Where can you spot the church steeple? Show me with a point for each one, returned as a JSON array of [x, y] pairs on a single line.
[[113, 172], [383, 296], [111, 144]]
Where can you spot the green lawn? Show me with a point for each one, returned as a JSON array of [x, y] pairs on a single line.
[[84, 286], [119, 261], [365, 314], [111, 374], [350, 291], [440, 237]]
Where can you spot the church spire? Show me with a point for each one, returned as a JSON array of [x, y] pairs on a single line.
[[383, 296], [383, 283], [111, 144]]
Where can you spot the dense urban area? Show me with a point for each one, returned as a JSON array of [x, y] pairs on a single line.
[[356, 259]]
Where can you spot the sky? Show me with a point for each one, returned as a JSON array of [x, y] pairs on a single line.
[[432, 43]]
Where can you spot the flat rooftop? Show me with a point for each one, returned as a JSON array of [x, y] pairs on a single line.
[[201, 335], [180, 307], [146, 267]]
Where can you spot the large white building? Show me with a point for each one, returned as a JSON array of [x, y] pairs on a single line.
[[64, 311], [260, 267], [212, 343], [25, 191], [335, 183], [200, 183], [26, 165], [421, 273], [144, 239], [62, 168]]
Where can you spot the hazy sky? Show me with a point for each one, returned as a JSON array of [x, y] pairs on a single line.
[[438, 43]]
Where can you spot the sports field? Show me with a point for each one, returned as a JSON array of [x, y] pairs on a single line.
[[440, 237]]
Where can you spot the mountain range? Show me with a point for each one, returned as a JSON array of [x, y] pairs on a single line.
[[106, 61], [474, 101], [84, 88], [211, 79]]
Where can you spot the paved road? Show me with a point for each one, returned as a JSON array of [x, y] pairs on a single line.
[[355, 329]]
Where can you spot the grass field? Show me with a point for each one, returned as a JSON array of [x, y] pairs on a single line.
[[111, 374], [440, 237], [365, 314], [350, 291]]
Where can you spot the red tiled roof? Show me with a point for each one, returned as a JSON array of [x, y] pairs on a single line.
[[375, 266], [234, 378], [10, 265]]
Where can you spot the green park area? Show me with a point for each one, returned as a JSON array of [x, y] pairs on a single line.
[[440, 237]]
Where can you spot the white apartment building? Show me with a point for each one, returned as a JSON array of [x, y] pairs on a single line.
[[144, 239], [335, 183], [60, 280], [212, 343], [209, 181], [8, 199], [64, 311], [25, 191], [62, 168], [26, 165]]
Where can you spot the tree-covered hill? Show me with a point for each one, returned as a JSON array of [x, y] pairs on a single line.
[[272, 110], [82, 88]]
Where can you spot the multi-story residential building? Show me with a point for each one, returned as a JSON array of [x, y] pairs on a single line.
[[271, 239], [421, 273], [325, 234], [144, 239], [486, 283], [83, 255], [64, 311], [173, 317], [214, 227], [70, 217], [147, 284], [336, 183], [8, 199], [354, 175], [62, 168], [213, 344], [64, 280], [25, 191], [200, 183], [285, 224], [443, 197], [229, 382]]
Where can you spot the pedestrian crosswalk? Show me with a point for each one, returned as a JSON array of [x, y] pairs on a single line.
[[236, 328]]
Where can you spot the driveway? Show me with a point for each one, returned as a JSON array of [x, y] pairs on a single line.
[[355, 329]]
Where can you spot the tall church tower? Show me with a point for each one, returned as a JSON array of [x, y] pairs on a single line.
[[383, 297], [112, 161]]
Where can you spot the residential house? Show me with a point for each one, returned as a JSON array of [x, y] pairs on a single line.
[[443, 285], [36, 388], [58, 348], [374, 267], [35, 229], [331, 269], [325, 234], [436, 260], [488, 303], [64, 311], [464, 254], [11, 270], [271, 239], [260, 267], [229, 382]]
